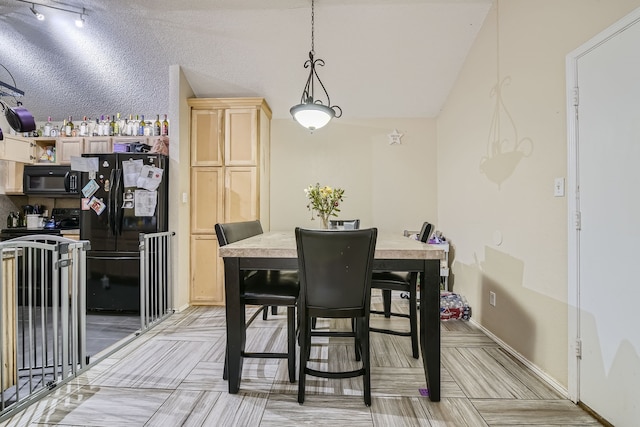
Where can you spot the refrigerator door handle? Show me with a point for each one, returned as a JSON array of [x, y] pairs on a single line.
[[110, 220], [117, 203]]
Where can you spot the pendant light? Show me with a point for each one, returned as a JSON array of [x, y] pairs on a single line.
[[312, 112]]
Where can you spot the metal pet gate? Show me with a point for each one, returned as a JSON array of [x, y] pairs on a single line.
[[43, 310]]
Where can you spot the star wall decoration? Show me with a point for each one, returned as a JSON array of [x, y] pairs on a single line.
[[394, 137]]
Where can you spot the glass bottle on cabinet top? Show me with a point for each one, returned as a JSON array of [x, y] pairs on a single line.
[[68, 128], [157, 126], [136, 126], [47, 127], [165, 127], [141, 126], [83, 127], [116, 125]]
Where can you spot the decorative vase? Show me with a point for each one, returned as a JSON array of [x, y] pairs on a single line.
[[325, 221]]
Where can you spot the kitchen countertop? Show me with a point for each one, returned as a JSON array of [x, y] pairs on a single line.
[[25, 230]]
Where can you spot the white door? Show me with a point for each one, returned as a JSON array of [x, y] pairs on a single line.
[[608, 242]]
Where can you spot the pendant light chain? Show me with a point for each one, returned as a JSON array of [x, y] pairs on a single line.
[[313, 50]]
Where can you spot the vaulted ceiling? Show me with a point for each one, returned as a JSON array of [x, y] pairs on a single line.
[[384, 58]]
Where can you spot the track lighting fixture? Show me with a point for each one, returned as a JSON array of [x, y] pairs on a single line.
[[39, 16], [82, 14], [80, 20]]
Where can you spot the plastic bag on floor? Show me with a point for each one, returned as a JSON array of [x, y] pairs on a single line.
[[453, 306]]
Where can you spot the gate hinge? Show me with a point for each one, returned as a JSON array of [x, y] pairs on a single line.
[[579, 348]]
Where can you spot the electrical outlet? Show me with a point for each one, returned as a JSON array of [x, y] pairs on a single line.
[[492, 298]]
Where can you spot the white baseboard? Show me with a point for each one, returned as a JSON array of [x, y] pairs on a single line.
[[536, 370], [182, 308]]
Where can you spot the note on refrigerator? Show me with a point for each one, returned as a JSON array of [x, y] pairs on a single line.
[[145, 202], [150, 177], [84, 164], [131, 171]]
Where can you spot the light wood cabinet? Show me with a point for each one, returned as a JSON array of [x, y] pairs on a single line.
[[206, 137], [229, 146], [97, 144], [241, 194], [18, 149], [207, 192], [67, 148], [207, 271], [13, 172], [240, 130]]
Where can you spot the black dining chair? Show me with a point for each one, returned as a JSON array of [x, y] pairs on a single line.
[[335, 271], [265, 288], [389, 281], [345, 224]]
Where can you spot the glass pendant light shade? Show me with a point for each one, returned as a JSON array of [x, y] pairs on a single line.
[[312, 116]]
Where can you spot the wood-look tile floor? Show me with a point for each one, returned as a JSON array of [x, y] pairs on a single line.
[[172, 376]]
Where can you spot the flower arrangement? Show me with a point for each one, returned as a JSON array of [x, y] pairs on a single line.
[[324, 201]]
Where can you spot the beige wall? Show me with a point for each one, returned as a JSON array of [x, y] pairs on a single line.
[[392, 187], [180, 183], [496, 167]]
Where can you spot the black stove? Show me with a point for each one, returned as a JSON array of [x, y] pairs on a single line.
[[61, 219]]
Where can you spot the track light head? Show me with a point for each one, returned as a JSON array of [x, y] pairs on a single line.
[[38, 15]]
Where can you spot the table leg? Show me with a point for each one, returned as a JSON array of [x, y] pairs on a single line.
[[430, 326], [235, 318]]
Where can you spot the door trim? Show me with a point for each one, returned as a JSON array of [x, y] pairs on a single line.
[[573, 196]]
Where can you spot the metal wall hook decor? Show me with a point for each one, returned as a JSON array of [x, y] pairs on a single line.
[[312, 112]]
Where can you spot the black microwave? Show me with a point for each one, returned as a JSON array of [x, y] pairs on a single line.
[[51, 181]]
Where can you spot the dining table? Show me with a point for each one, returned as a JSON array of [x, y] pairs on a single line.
[[276, 250]]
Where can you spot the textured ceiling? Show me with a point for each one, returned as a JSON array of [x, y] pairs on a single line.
[[384, 58]]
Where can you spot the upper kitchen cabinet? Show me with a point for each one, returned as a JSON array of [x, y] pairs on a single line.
[[228, 131], [69, 147], [206, 136], [18, 149], [29, 150], [97, 144], [241, 137]]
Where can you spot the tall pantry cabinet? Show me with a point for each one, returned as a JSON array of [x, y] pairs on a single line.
[[230, 140]]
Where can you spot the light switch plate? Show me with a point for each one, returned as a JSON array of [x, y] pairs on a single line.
[[558, 187]]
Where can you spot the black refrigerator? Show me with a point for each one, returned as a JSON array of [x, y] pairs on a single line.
[[126, 196]]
